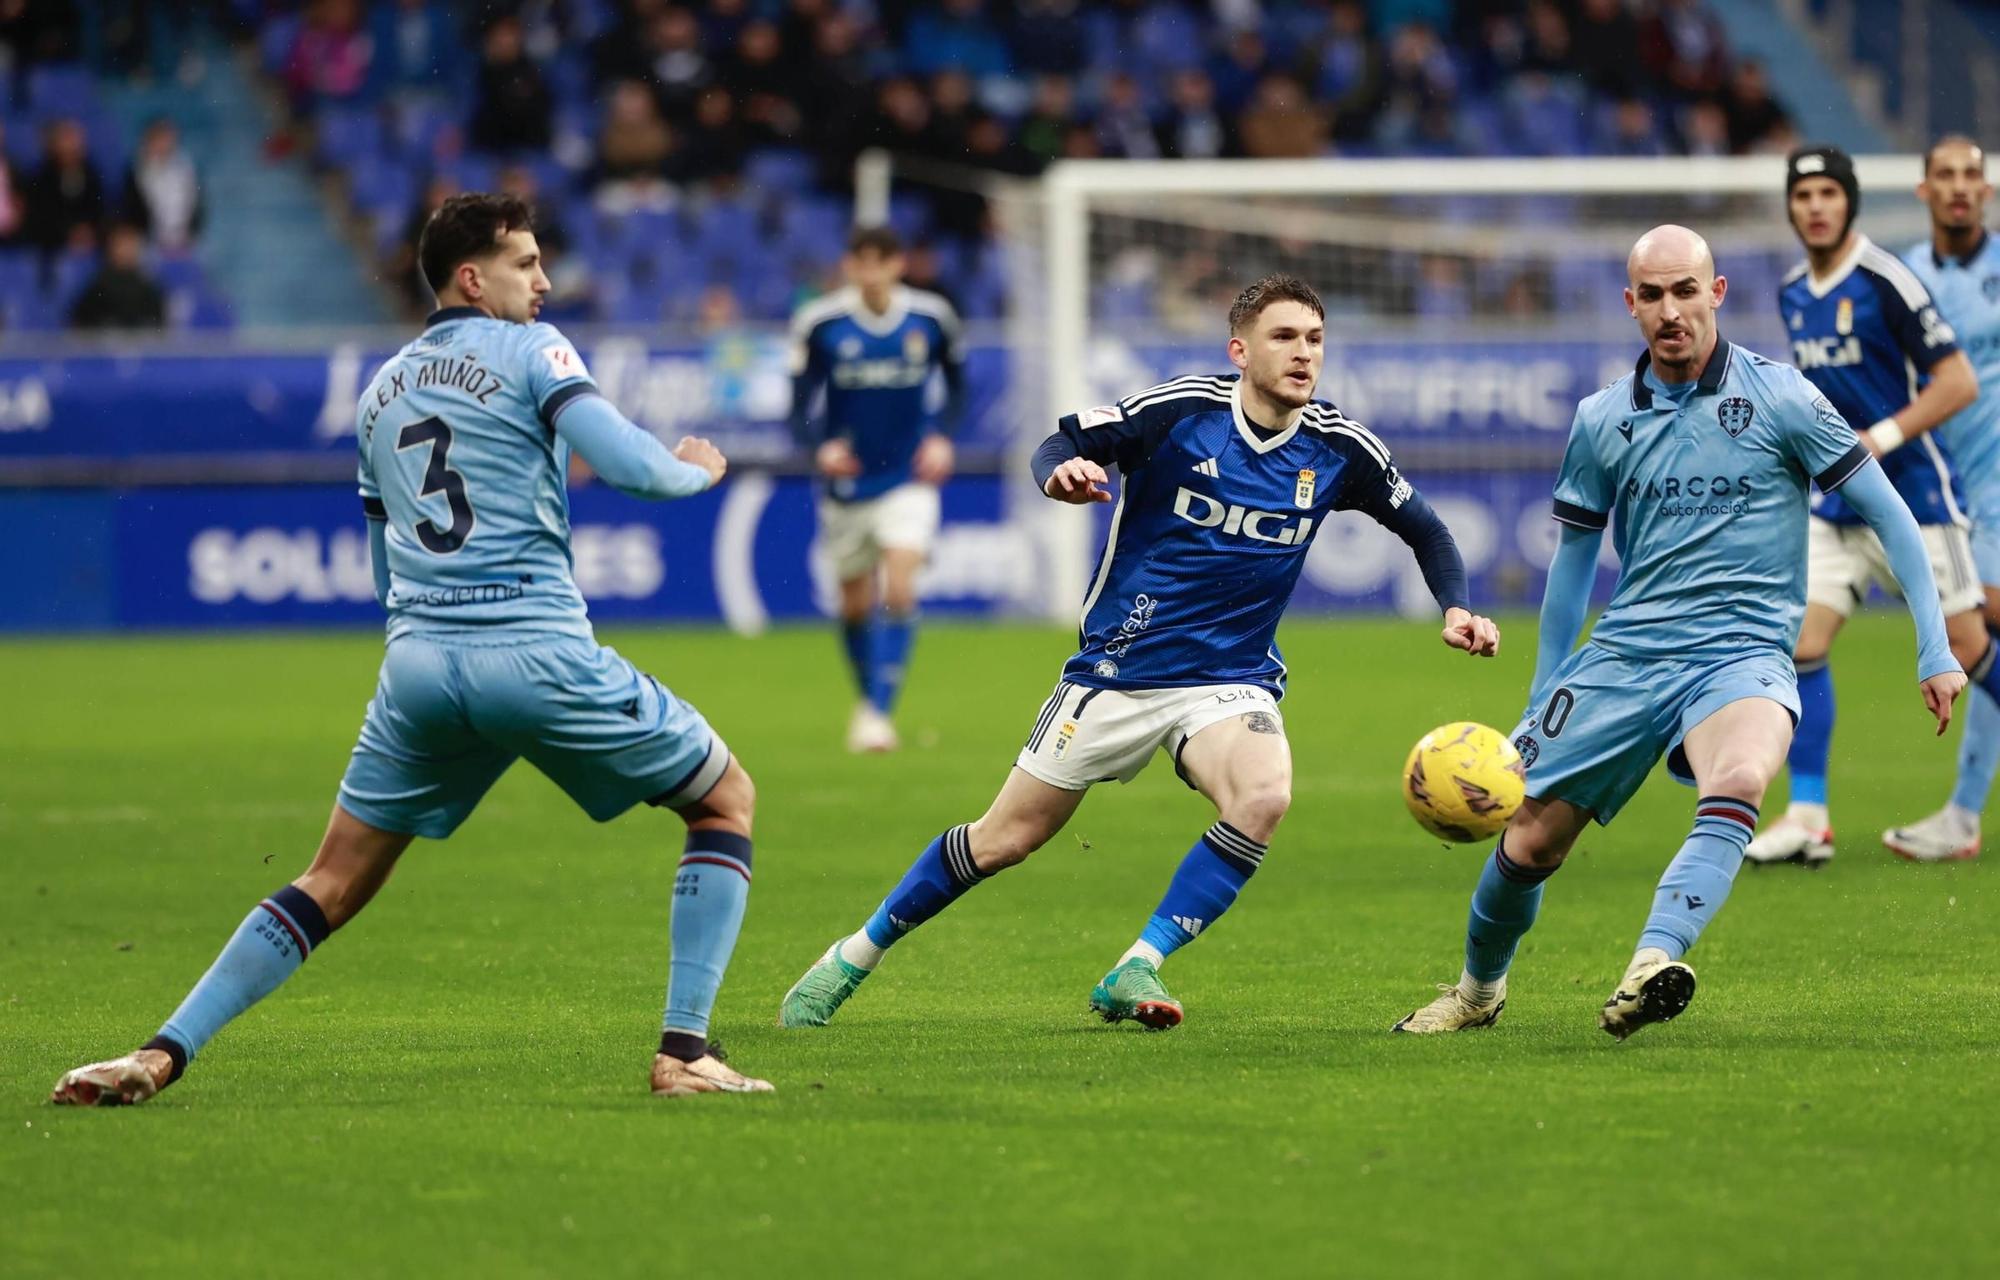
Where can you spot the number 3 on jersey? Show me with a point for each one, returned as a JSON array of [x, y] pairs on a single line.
[[439, 478]]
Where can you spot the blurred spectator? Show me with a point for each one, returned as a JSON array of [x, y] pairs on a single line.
[[1421, 73], [37, 31], [1282, 122], [675, 63], [635, 142], [765, 85], [1605, 39], [836, 93], [66, 198], [952, 110], [903, 119], [1546, 46], [514, 109], [1124, 127], [1239, 70], [954, 34], [1632, 131], [402, 266], [1350, 72], [121, 295], [1050, 117], [162, 192], [1704, 130], [1048, 37], [331, 58], [1753, 114], [1080, 143], [13, 195], [1193, 129], [416, 50], [1684, 46], [715, 141]]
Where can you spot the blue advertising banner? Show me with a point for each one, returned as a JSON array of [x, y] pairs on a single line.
[[297, 555]]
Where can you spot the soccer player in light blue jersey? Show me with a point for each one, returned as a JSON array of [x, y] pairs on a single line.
[[1865, 331], [876, 348], [1225, 482], [1702, 456], [1960, 265], [465, 436]]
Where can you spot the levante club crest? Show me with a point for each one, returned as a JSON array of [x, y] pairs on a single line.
[[1735, 414]]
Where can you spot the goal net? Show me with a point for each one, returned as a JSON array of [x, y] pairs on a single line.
[[1470, 305]]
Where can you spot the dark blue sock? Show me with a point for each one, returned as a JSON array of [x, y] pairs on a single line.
[[1812, 741], [711, 889], [1986, 672], [1698, 879], [268, 947], [939, 877], [1206, 882], [893, 636], [858, 640], [1504, 907]]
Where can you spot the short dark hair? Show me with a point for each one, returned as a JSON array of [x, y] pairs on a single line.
[[882, 240], [1948, 140], [1277, 287], [466, 227]]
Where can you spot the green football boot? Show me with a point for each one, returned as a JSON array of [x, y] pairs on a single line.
[[1133, 991], [823, 989]]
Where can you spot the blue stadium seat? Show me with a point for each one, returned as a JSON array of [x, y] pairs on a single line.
[[61, 91], [781, 170]]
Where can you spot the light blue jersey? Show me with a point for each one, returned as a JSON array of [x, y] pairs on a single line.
[[1707, 483], [460, 457], [1967, 291]]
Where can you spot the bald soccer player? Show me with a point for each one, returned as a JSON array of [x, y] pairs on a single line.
[[1704, 454]]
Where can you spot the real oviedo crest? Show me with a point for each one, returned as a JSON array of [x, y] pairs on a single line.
[[1735, 414]]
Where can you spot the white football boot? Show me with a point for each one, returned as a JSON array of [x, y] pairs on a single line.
[[673, 1078], [119, 1082], [870, 732], [1654, 989], [1791, 839], [1949, 835], [1451, 1011]]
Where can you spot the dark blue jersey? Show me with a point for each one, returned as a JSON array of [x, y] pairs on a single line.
[[877, 370], [1211, 529], [1866, 335]]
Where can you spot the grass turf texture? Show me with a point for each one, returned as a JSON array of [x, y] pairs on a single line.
[[455, 1084]]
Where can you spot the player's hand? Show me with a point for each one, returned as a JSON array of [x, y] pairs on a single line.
[[1939, 693], [836, 461], [935, 459], [1080, 481], [1472, 633], [702, 454]]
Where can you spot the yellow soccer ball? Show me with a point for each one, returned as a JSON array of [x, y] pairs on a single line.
[[1463, 781]]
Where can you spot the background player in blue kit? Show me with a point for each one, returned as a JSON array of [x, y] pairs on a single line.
[[1865, 332], [1960, 265], [876, 347], [1226, 481], [465, 436], [1703, 454]]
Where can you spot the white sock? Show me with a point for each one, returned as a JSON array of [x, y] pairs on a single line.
[[1813, 815], [1477, 992], [1145, 951], [1647, 955], [858, 951]]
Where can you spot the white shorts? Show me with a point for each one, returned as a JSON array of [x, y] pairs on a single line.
[[1843, 559], [1085, 736], [853, 535]]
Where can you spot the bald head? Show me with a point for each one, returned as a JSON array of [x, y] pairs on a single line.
[[1670, 251], [1673, 294]]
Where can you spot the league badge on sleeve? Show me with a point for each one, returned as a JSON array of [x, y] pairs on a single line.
[[1308, 483], [1735, 414], [1101, 416], [564, 360]]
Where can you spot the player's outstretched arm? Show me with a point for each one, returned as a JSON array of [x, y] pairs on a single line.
[[1410, 518], [631, 460], [1869, 492], [1066, 475], [1952, 386], [1565, 602]]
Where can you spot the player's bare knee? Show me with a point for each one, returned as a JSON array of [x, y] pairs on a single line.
[[1258, 811], [1002, 844], [1739, 780]]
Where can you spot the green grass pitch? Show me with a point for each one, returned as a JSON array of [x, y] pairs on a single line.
[[455, 1084]]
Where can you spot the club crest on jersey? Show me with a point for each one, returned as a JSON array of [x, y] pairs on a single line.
[[1843, 317], [916, 347], [1735, 414], [849, 348], [1063, 740], [1302, 498]]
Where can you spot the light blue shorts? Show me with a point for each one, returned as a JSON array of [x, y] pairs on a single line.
[[1607, 720], [1986, 535], [449, 716]]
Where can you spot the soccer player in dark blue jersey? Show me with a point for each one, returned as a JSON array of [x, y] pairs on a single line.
[[1960, 265], [1225, 482], [877, 347], [1866, 333], [465, 438]]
